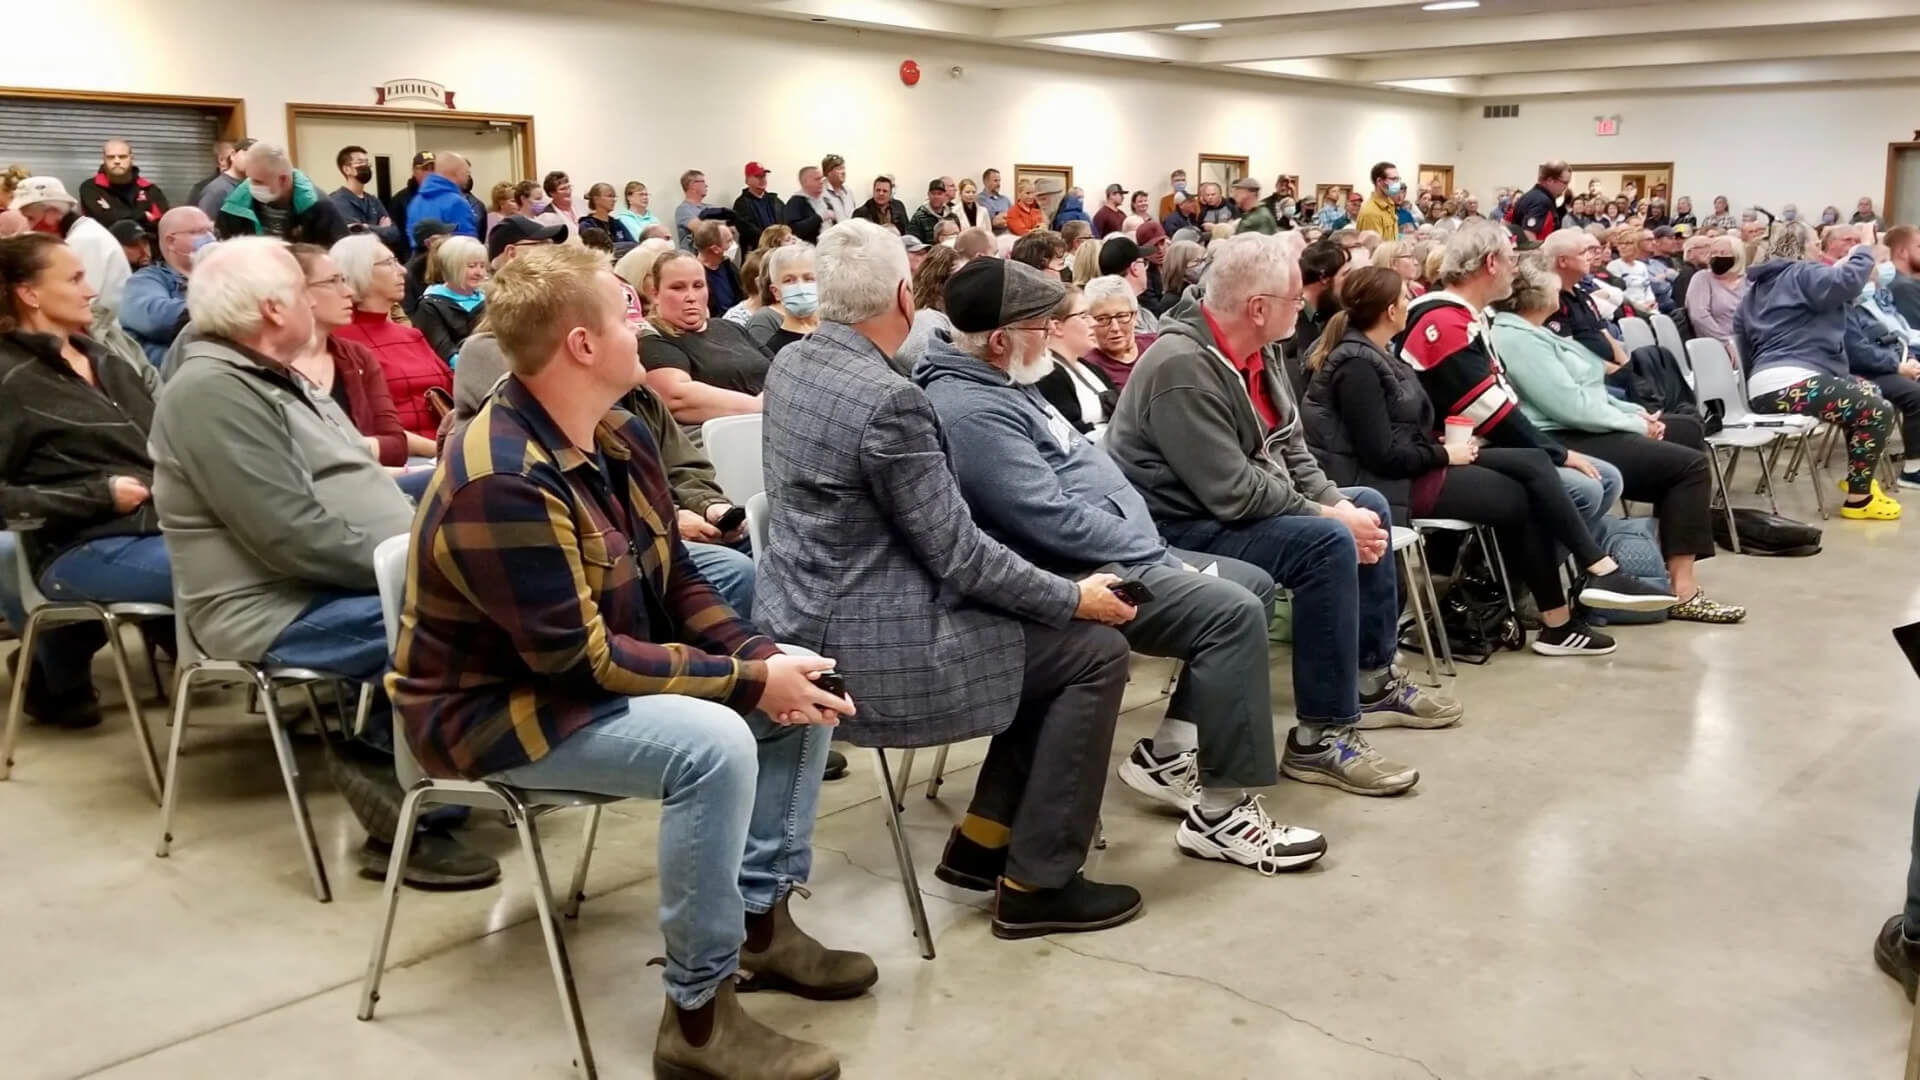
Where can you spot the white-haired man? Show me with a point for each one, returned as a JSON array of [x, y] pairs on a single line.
[[272, 507], [155, 308], [1208, 431], [1046, 491], [278, 200], [941, 633], [1570, 254], [44, 202]]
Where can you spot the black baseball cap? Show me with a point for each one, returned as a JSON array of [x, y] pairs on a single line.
[[513, 230], [1118, 254]]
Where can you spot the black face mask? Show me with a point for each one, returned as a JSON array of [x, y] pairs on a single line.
[[363, 174], [1720, 264]]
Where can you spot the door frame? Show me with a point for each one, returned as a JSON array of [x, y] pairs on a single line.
[[1425, 167], [296, 110], [1893, 158], [230, 112], [1673, 183]]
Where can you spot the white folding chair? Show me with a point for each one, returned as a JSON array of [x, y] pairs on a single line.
[[1421, 595], [42, 612], [733, 445], [1718, 378], [1666, 333], [1489, 546], [521, 805], [1635, 333]]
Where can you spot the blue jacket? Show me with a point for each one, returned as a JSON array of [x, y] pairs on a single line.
[[1795, 312], [1032, 481], [155, 308], [1872, 348], [440, 199], [1070, 210]]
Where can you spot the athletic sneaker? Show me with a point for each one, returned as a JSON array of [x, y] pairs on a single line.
[[1622, 591], [1173, 780], [1247, 836], [1403, 704], [1572, 638], [1344, 759]]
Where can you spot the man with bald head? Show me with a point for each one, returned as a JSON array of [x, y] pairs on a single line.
[[155, 307], [119, 193], [442, 197], [12, 223]]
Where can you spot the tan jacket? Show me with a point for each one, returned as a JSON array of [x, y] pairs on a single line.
[[1381, 216]]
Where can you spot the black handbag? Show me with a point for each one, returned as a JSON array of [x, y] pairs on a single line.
[[1762, 533]]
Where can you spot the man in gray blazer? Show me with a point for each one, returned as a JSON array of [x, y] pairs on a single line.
[[941, 633]]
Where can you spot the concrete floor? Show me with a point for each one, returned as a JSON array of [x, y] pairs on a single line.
[[1669, 863]]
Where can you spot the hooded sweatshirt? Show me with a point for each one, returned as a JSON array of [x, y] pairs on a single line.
[[1186, 435], [440, 199], [1071, 209], [312, 218], [1033, 482], [1793, 319]]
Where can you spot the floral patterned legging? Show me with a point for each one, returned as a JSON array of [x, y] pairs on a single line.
[[1853, 405]]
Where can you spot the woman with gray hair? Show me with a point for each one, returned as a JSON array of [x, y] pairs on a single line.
[[1185, 262], [412, 368], [792, 292], [1117, 345]]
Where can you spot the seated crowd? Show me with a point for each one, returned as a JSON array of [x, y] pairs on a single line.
[[1001, 453]]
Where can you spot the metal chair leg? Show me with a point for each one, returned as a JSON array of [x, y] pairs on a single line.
[[290, 772], [136, 714], [1726, 503], [1490, 545], [939, 773], [1433, 604], [916, 908], [17, 702], [1420, 619], [577, 891], [906, 780], [153, 668], [170, 789], [529, 831], [390, 898]]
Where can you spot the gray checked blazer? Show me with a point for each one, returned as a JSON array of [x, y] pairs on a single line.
[[874, 560]]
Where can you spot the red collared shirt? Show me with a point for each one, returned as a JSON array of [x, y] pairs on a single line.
[[1252, 366]]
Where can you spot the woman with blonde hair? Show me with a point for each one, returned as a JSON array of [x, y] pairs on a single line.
[[500, 204], [1402, 258], [452, 305], [634, 214], [1086, 263], [971, 212], [700, 367], [1184, 263], [1630, 269], [1713, 296], [775, 236]]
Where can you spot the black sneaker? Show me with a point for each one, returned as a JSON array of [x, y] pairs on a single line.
[[1078, 907], [970, 865], [836, 766], [435, 861], [1572, 638], [74, 711], [1897, 954], [1622, 591]]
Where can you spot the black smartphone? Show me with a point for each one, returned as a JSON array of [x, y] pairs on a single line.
[[831, 682], [1908, 637], [1133, 592], [731, 520]]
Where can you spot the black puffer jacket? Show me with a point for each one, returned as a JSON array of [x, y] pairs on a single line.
[[1369, 422], [446, 324]]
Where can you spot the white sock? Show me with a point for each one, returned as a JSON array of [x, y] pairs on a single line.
[[1175, 737], [1373, 683], [1217, 801], [1309, 733]]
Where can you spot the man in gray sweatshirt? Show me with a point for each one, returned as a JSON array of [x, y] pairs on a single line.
[[272, 506], [1037, 485], [1208, 431]]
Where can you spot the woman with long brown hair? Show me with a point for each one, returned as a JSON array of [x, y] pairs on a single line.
[[1370, 423], [599, 215]]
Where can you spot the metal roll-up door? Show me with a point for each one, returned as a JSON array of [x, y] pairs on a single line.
[[172, 144]]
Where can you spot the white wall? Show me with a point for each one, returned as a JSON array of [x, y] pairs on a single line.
[[1806, 145], [624, 90]]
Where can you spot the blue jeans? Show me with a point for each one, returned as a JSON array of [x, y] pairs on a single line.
[[1345, 615], [413, 483], [738, 797], [1593, 498], [730, 572], [340, 632], [113, 569]]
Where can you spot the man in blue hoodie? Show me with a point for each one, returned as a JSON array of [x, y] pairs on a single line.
[[1037, 485], [443, 196]]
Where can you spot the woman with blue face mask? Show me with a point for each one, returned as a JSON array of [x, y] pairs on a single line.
[[1830, 216], [791, 289], [1879, 350]]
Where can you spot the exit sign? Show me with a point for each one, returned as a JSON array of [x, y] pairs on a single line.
[[1606, 125]]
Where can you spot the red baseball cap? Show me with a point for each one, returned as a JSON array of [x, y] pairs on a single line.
[[1148, 234], [754, 168]]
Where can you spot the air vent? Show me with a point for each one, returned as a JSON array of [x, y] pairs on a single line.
[[1499, 112]]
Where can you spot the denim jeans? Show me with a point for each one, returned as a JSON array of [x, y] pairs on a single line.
[[1345, 615], [413, 483], [340, 632], [1593, 498], [738, 797], [730, 572], [113, 569]]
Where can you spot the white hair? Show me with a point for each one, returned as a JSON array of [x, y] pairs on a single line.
[[233, 278], [1571, 240], [452, 257], [1111, 287], [1470, 247], [355, 256], [1243, 266], [860, 269], [780, 258], [271, 157]]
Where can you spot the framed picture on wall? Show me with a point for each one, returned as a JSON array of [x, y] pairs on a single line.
[[1222, 169], [1049, 181], [1331, 194]]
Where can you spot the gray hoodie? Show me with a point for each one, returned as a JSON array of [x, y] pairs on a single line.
[[267, 494], [1795, 313], [1033, 482], [1186, 434]]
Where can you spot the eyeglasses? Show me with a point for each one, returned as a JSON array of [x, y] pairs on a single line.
[[1298, 300], [1077, 315], [337, 281], [386, 260], [1114, 319]]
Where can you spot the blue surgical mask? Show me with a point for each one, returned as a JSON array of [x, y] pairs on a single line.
[[1829, 218], [201, 240], [1884, 275], [1395, 187], [801, 298], [1790, 215], [1180, 187]]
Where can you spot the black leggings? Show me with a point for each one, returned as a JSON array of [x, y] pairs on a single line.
[[1519, 493], [1670, 473]]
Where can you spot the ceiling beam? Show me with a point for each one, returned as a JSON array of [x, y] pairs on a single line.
[[1094, 16], [1582, 25], [1637, 52], [1829, 69], [1132, 44], [906, 16]]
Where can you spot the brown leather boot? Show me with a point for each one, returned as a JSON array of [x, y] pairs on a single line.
[[739, 1048], [795, 962]]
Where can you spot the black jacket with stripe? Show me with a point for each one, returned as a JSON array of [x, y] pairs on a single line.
[[1447, 343]]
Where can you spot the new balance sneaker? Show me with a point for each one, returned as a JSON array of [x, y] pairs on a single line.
[[1173, 780], [1403, 704], [1246, 836], [1572, 638], [1344, 759], [1622, 591]]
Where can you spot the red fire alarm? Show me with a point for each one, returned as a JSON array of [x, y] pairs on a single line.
[[909, 72]]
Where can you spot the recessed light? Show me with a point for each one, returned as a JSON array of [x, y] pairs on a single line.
[[1451, 5], [1198, 26]]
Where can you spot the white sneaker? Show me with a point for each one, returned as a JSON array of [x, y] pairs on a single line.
[[1173, 780], [1248, 837]]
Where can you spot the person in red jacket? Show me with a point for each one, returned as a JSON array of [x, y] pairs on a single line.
[[119, 193], [409, 362]]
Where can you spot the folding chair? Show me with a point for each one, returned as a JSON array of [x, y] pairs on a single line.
[[1666, 334], [1635, 333], [1489, 544], [1405, 539], [733, 445], [1717, 378]]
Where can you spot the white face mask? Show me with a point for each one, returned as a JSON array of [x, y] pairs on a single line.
[[261, 193], [733, 252]]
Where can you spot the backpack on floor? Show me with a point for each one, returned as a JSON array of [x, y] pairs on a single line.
[[1762, 533], [1634, 544]]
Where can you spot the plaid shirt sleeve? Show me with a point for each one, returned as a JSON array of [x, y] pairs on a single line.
[[509, 546]]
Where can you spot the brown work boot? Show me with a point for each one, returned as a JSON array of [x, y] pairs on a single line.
[[735, 1047], [778, 955]]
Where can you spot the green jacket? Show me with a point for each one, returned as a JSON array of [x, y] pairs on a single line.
[[1260, 219], [314, 219], [1563, 386]]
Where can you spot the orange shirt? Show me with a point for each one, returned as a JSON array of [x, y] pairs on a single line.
[[1022, 219]]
